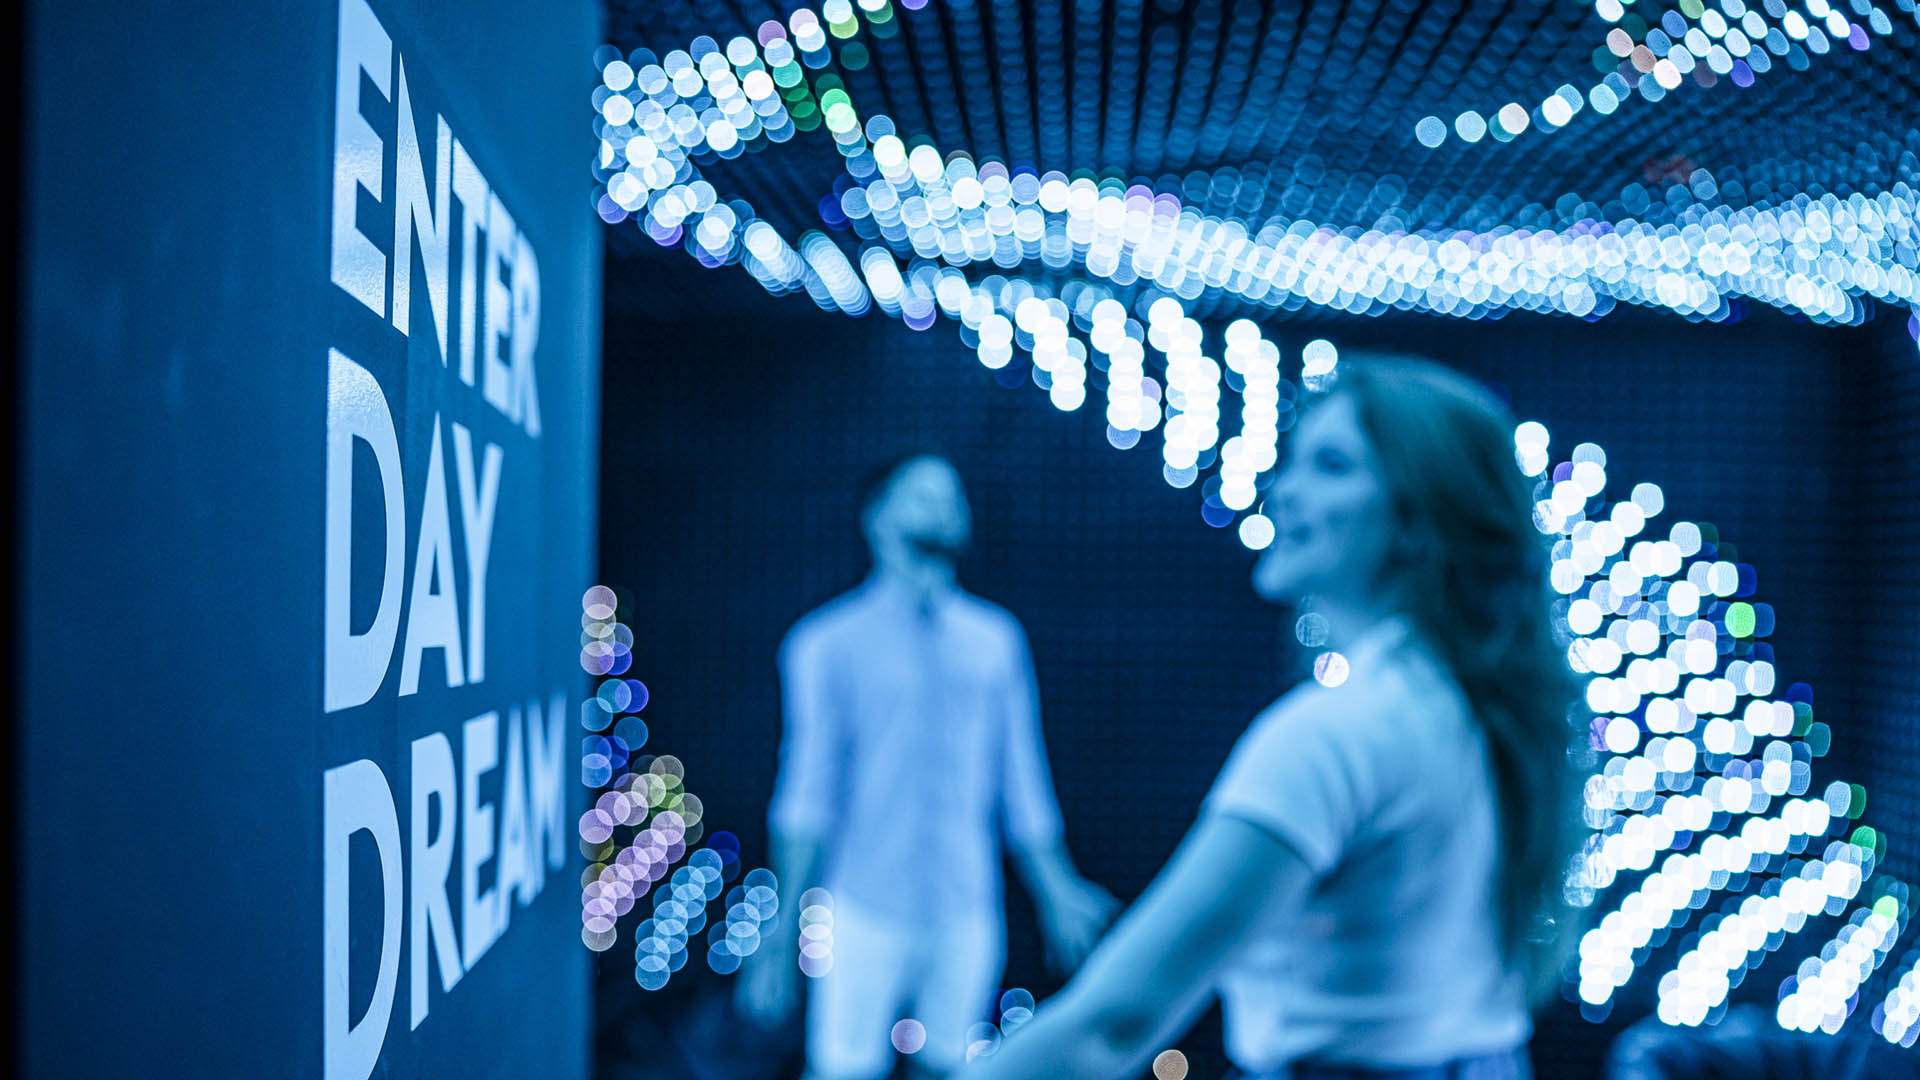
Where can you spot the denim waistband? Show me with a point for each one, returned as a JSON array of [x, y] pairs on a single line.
[[1505, 1065]]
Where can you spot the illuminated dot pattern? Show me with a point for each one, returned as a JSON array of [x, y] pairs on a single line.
[[1823, 993], [1706, 776], [679, 912], [1015, 1008], [923, 219], [644, 799], [1898, 1018], [1653, 57], [922, 204], [1253, 367], [606, 645], [816, 933], [750, 906], [1732, 941]]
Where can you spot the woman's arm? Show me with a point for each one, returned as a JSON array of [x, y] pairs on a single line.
[[1156, 970]]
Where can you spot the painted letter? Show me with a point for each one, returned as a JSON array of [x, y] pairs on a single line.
[[526, 333], [471, 189], [433, 615], [356, 664], [496, 386], [476, 519], [355, 797], [414, 215], [479, 752], [358, 157], [515, 871], [430, 917], [546, 761]]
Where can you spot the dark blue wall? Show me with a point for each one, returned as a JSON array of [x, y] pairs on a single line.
[[180, 308]]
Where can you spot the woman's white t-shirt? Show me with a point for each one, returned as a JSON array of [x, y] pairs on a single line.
[[1382, 785]]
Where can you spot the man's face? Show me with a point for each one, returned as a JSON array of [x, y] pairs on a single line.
[[925, 509]]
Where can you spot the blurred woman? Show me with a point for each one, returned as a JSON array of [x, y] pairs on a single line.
[[1372, 884]]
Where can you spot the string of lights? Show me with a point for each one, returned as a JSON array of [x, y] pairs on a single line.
[[1759, 923], [657, 119], [1655, 57], [1822, 994], [679, 913], [1897, 1019], [1682, 786], [648, 795]]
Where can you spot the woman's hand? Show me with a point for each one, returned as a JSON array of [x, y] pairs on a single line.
[[1157, 969]]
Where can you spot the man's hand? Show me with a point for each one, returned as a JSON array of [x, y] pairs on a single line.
[[768, 991], [769, 988], [1073, 914]]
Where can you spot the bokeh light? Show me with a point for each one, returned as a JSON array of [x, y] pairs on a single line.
[[909, 1036], [1705, 777], [816, 932], [1331, 669], [982, 1040], [643, 820]]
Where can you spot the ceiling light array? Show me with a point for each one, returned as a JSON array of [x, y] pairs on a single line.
[[923, 221], [1654, 57], [656, 122]]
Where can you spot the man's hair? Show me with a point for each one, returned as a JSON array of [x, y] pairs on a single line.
[[880, 476]]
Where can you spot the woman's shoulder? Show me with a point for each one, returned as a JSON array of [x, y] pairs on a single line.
[[1339, 691], [1313, 726], [1320, 763], [1386, 707]]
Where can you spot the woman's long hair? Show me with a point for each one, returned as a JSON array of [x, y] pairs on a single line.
[[1468, 566]]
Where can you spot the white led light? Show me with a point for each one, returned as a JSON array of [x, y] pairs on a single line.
[[1898, 1018], [1606, 951]]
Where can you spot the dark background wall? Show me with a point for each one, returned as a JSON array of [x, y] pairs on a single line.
[[736, 424]]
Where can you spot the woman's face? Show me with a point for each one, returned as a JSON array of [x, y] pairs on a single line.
[[1332, 515]]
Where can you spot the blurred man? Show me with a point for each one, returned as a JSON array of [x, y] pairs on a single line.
[[912, 746]]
